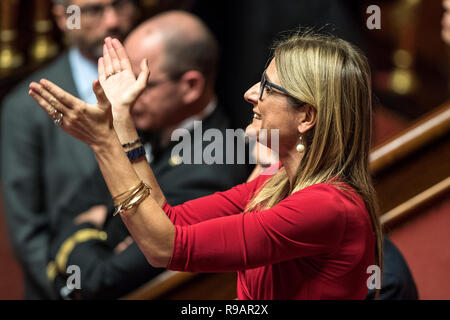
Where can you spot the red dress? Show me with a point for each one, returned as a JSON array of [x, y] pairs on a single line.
[[315, 244]]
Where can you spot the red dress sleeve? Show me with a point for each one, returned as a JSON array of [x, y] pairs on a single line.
[[219, 204], [309, 222]]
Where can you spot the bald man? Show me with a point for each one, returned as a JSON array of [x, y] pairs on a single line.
[[182, 56]]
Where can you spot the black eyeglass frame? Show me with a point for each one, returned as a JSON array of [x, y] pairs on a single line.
[[170, 78], [264, 82]]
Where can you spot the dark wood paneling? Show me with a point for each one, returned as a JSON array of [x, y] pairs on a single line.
[[408, 177]]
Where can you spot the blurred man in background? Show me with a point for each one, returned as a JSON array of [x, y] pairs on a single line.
[[42, 167]]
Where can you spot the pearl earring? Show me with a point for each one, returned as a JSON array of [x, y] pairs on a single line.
[[300, 147]]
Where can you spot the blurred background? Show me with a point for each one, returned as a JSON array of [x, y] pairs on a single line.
[[410, 69]]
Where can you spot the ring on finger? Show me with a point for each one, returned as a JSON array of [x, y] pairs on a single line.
[[52, 112], [58, 119], [112, 73]]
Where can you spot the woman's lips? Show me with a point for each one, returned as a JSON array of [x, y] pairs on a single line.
[[256, 115], [253, 128]]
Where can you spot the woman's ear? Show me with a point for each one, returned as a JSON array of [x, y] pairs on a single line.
[[307, 118], [193, 86]]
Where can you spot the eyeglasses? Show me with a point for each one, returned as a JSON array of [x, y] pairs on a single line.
[[96, 11], [266, 83], [171, 77], [155, 83]]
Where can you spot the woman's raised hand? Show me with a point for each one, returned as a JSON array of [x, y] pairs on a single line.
[[117, 87], [117, 78], [90, 123]]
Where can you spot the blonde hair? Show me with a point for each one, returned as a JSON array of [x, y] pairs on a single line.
[[334, 77]]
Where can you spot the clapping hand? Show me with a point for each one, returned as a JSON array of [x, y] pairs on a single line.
[[90, 123], [117, 87], [117, 78]]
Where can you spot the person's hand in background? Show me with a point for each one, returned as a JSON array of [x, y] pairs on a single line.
[[123, 245], [95, 215]]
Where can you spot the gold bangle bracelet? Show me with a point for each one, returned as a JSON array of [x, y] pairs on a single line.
[[134, 199], [124, 193]]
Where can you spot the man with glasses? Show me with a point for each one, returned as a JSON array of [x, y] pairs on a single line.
[[182, 56], [42, 167]]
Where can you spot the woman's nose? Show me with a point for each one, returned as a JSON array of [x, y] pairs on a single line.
[[252, 94]]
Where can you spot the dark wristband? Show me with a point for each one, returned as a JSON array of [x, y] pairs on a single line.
[[136, 153]]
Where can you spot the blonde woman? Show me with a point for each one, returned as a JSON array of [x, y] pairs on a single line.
[[310, 231]]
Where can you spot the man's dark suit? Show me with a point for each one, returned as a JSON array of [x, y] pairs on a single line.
[[42, 168], [105, 275], [397, 281]]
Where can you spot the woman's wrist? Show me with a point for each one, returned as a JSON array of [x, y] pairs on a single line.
[[121, 110], [105, 142], [125, 129]]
